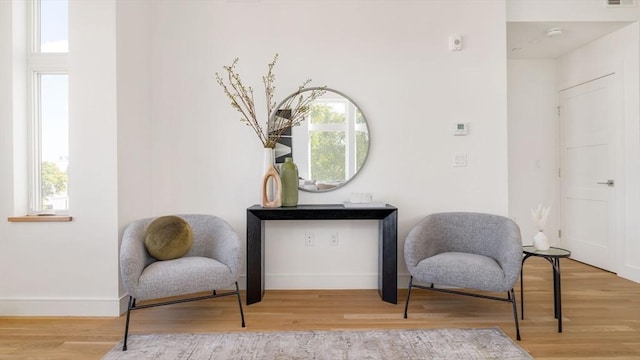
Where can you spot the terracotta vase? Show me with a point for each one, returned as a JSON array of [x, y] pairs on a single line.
[[275, 199]]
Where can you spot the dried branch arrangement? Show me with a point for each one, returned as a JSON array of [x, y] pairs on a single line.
[[297, 105], [540, 215]]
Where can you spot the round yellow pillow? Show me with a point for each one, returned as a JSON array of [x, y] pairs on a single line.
[[168, 237]]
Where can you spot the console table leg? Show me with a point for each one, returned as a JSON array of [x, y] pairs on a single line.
[[255, 259], [388, 258]]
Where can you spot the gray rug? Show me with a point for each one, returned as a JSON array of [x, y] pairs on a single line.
[[489, 343]]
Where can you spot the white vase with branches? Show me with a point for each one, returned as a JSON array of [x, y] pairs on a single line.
[[540, 215], [242, 100]]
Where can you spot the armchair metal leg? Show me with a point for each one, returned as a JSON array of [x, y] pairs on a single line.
[[512, 297], [213, 294], [240, 304], [126, 326], [406, 305]]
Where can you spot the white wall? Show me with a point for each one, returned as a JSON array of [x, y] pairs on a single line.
[[12, 66], [619, 53], [134, 113], [150, 126], [389, 57], [68, 268], [533, 144]]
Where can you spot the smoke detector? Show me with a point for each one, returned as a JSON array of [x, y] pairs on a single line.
[[554, 32]]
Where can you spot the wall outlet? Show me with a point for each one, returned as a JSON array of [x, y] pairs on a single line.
[[460, 159], [308, 239], [333, 241]]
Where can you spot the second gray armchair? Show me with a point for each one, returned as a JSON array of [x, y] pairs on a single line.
[[465, 250]]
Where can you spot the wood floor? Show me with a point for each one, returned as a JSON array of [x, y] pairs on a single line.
[[601, 315]]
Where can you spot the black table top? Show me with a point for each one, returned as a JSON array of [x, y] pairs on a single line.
[[321, 212], [551, 252]]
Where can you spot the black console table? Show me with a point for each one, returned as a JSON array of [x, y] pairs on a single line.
[[387, 241]]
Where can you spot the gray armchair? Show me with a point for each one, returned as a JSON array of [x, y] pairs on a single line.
[[213, 262], [465, 250]]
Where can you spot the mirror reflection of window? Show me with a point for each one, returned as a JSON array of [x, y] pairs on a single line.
[[361, 139], [328, 140], [331, 145]]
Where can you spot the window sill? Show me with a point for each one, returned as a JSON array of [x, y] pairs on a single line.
[[40, 218]]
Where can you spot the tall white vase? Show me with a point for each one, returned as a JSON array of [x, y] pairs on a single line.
[[540, 241], [268, 159]]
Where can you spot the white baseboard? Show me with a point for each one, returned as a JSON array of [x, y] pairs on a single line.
[[630, 273], [62, 307], [124, 303], [114, 307], [327, 281], [320, 281]]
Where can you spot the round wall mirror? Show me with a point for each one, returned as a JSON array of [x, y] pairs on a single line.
[[330, 146]]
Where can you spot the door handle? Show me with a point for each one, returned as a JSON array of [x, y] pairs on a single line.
[[609, 183]]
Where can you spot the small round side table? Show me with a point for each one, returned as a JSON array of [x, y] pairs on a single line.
[[552, 255]]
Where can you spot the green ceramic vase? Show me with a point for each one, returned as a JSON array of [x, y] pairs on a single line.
[[289, 178]]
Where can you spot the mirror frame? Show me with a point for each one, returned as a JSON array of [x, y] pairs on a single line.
[[326, 89]]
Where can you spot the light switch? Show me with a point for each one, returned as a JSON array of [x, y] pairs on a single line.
[[460, 159]]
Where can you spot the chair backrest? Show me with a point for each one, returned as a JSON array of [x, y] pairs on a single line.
[[475, 233], [208, 232], [213, 237], [490, 235]]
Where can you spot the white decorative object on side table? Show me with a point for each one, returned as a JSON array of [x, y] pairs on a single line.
[[540, 214]]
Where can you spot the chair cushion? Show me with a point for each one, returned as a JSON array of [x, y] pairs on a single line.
[[168, 237], [186, 275], [462, 270]]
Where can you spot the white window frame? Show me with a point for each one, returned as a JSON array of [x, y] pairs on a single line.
[[349, 128], [38, 63]]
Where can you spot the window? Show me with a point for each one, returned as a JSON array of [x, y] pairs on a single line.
[[48, 109]]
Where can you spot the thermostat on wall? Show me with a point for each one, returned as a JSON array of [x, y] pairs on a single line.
[[460, 128]]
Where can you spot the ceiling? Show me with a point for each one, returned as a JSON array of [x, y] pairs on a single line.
[[528, 40]]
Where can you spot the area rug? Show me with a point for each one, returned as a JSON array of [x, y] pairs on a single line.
[[489, 343]]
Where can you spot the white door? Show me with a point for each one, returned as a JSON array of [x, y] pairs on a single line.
[[588, 116]]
